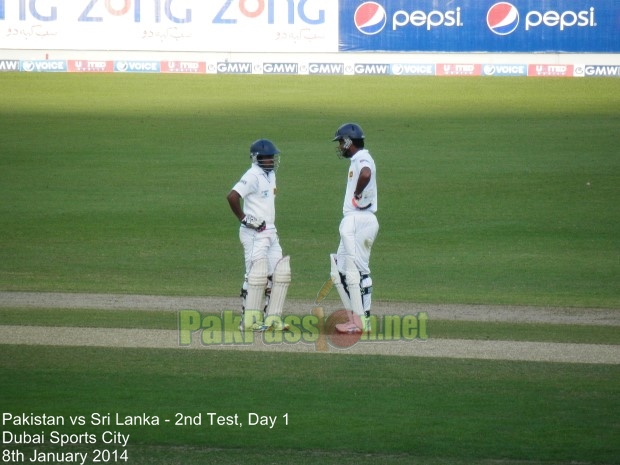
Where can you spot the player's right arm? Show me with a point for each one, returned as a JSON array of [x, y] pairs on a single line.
[[234, 200]]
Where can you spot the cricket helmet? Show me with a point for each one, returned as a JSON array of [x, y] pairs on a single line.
[[349, 130], [347, 135], [265, 154]]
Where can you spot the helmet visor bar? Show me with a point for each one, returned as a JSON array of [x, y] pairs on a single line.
[[267, 162]]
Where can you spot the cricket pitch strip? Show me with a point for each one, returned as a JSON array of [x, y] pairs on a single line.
[[320, 343]]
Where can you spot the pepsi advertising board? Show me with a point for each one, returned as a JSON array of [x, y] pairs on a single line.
[[570, 26]]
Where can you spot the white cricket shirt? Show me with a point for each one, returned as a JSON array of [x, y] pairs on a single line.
[[358, 161], [258, 190]]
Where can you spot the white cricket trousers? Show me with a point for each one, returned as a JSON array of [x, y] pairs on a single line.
[[260, 245], [357, 234]]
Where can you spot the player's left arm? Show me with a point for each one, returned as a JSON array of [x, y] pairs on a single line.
[[362, 181]]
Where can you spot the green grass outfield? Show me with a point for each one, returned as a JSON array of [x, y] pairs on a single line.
[[492, 191], [341, 408]]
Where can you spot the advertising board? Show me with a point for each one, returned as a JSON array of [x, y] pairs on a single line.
[[170, 25], [526, 26]]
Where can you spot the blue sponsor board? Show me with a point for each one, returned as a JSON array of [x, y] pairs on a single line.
[[572, 26], [137, 66], [504, 70], [44, 66], [412, 69]]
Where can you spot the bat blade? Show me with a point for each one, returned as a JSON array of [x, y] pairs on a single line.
[[327, 286]]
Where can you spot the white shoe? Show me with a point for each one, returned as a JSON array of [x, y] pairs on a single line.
[[259, 326], [348, 328]]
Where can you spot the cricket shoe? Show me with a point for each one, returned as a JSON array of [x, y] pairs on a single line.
[[348, 328], [278, 325], [366, 324], [258, 327]]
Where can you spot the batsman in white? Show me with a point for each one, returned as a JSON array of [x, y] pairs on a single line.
[[350, 270], [267, 272]]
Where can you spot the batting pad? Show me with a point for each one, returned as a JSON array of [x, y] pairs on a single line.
[[336, 280], [281, 280], [353, 282], [257, 281]]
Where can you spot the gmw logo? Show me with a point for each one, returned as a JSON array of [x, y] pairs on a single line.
[[503, 19]]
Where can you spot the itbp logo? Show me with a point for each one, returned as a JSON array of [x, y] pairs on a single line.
[[503, 18], [370, 18]]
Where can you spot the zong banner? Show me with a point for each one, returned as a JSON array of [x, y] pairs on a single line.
[[170, 25]]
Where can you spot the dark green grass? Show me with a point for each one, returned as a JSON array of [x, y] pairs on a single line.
[[439, 329], [491, 190], [340, 407]]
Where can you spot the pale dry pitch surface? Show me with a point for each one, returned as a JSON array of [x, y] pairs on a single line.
[[450, 348]]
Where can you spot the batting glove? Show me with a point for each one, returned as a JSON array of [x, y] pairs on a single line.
[[361, 201], [252, 222]]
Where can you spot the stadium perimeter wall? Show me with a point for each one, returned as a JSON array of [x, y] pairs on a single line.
[[572, 38], [403, 64]]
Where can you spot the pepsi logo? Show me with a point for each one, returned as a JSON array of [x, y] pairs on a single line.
[[503, 18], [370, 18]]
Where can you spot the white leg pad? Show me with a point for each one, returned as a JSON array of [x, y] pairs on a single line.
[[366, 287], [281, 281], [353, 282], [338, 284], [257, 281]]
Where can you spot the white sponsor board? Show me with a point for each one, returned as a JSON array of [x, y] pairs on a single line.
[[170, 25]]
